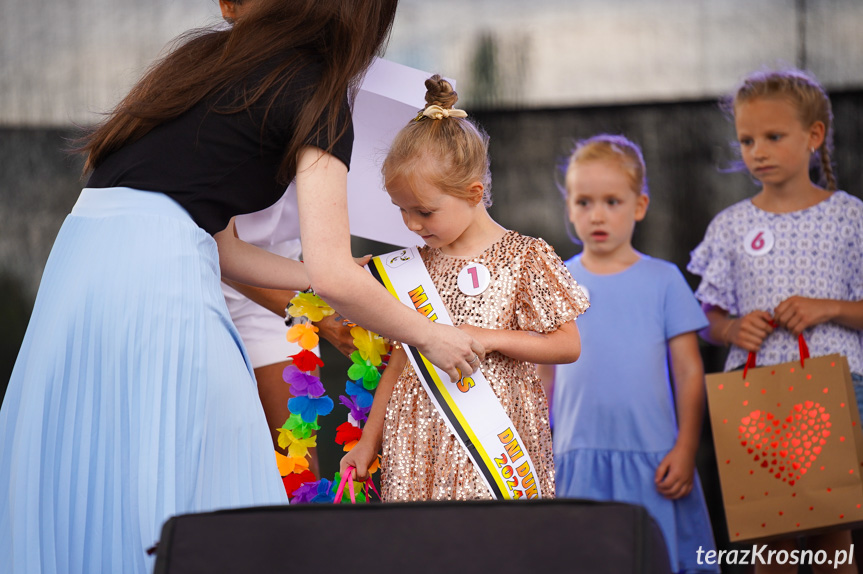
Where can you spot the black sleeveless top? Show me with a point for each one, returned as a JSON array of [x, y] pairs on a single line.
[[218, 165]]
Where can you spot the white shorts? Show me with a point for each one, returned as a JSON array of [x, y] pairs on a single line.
[[263, 331]]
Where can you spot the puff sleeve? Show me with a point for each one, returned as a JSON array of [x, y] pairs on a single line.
[[713, 261], [548, 296]]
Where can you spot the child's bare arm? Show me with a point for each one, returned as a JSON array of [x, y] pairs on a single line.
[[556, 347], [364, 452], [747, 332], [798, 313], [675, 474]]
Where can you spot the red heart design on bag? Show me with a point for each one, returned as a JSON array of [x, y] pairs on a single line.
[[787, 447]]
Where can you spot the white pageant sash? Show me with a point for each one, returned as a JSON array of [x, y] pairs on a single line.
[[469, 407]]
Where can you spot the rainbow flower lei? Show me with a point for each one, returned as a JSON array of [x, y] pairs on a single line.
[[311, 402]]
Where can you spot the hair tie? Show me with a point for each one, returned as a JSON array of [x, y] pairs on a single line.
[[436, 112]]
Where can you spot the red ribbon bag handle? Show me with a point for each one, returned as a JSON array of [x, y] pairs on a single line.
[[804, 354]]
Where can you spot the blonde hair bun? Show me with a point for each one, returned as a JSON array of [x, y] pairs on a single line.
[[439, 92]]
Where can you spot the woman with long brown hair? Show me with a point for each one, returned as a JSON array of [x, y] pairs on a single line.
[[132, 398]]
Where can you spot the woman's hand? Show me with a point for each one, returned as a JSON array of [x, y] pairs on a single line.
[[484, 337], [453, 350], [361, 458], [749, 331]]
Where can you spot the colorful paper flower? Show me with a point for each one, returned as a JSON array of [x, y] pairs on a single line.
[[376, 465], [310, 407], [297, 447], [303, 383], [363, 369], [348, 433], [360, 414], [319, 492], [290, 464], [295, 480], [306, 360], [299, 427], [305, 334], [369, 345], [361, 397], [309, 305]]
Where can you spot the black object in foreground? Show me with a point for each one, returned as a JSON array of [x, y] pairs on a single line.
[[547, 536]]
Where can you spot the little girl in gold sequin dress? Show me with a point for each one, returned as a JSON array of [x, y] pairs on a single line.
[[437, 173]]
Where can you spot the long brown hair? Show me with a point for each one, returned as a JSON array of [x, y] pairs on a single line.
[[345, 35]]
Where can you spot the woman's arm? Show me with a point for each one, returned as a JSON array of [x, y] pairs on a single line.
[[245, 263], [560, 346], [361, 456], [275, 300], [675, 474], [353, 292]]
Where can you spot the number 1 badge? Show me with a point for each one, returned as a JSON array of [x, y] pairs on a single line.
[[473, 279]]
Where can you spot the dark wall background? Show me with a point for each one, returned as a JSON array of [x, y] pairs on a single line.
[[686, 148]]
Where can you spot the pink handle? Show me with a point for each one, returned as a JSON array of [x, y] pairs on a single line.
[[370, 482], [347, 477]]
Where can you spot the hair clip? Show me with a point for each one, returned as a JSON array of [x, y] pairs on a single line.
[[436, 112]]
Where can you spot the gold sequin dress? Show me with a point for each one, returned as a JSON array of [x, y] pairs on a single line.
[[530, 290]]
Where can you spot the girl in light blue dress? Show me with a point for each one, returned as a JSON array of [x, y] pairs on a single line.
[[619, 433]]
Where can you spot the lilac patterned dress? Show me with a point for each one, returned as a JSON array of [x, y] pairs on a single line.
[[752, 259]]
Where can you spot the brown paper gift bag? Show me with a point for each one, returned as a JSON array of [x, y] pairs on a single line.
[[788, 446]]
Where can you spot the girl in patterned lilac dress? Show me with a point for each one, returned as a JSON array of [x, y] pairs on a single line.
[[437, 173], [790, 259]]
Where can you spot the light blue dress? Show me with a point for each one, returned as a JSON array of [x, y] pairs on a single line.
[[614, 415], [132, 398]]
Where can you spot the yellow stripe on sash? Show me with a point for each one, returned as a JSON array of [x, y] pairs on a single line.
[[487, 460]]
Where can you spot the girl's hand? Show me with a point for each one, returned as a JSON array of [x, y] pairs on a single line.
[[676, 473], [748, 332], [484, 337], [360, 457], [798, 313]]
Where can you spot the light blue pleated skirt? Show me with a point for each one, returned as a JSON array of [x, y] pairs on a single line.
[[132, 398]]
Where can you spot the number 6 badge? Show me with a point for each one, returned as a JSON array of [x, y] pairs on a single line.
[[758, 242], [473, 279]]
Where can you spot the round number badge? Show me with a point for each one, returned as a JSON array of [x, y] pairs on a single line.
[[758, 242], [473, 279]]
